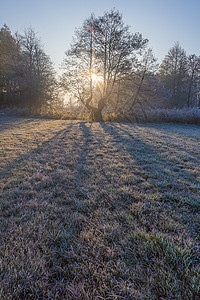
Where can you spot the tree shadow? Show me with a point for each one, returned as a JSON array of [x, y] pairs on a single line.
[[174, 128], [82, 172], [62, 222], [9, 122], [64, 154], [161, 163], [171, 183], [161, 186], [29, 156], [173, 138]]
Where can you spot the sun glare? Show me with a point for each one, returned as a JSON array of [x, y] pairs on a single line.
[[94, 77]]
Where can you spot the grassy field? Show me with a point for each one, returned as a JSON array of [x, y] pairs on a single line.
[[99, 210]]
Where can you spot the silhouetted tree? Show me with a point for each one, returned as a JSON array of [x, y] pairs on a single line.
[[27, 78], [174, 74], [9, 54], [101, 56], [142, 83], [37, 74], [194, 80]]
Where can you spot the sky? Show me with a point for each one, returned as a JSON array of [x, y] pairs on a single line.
[[163, 22]]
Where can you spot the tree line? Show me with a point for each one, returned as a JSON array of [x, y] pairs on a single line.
[[108, 69], [27, 76]]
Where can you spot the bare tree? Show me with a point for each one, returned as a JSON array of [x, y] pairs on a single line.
[[9, 53], [142, 82], [194, 79], [102, 55], [174, 74], [38, 81]]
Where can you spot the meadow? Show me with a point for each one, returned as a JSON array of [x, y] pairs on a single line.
[[99, 210]]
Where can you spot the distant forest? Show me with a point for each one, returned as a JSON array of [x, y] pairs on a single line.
[[107, 71]]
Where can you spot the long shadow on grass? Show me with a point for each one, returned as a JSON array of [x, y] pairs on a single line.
[[177, 129], [166, 162], [66, 166], [13, 122], [55, 256], [47, 208], [81, 168], [29, 156], [173, 199], [157, 170], [174, 139]]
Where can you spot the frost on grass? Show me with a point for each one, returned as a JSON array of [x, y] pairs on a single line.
[[99, 210]]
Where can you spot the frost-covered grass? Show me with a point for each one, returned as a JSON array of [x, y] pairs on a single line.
[[173, 115], [99, 210]]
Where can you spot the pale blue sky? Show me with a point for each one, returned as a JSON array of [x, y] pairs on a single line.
[[163, 22]]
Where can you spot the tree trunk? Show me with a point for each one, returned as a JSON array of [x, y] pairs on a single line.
[[96, 112], [190, 90], [97, 115]]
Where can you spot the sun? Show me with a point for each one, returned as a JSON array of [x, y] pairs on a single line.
[[94, 77]]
